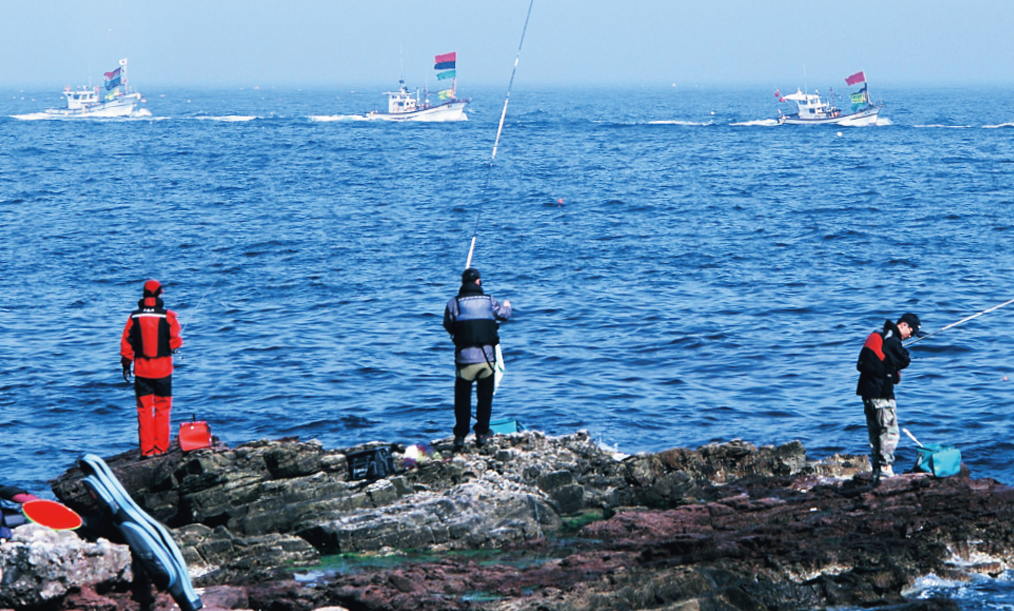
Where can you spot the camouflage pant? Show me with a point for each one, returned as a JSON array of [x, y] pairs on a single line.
[[882, 425]]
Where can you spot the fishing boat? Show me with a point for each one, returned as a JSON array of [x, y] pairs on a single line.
[[119, 101], [812, 110], [403, 105]]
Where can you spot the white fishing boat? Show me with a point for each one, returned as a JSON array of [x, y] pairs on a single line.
[[119, 101], [403, 105], [812, 110]]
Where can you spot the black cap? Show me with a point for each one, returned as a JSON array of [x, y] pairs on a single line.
[[469, 275], [912, 321]]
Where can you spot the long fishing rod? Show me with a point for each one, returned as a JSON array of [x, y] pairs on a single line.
[[496, 142], [963, 320]]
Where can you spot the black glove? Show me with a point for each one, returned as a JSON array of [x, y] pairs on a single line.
[[125, 363]]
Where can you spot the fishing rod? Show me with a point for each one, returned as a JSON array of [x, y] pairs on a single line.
[[496, 142], [963, 320]]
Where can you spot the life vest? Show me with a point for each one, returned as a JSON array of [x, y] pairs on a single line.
[[475, 324], [150, 333]]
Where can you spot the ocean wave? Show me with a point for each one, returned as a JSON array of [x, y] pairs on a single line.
[[944, 126], [678, 122], [144, 113], [332, 118], [230, 118], [996, 126]]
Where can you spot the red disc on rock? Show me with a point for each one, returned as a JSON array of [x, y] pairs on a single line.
[[51, 514]]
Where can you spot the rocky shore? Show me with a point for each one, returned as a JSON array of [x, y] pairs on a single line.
[[528, 522]]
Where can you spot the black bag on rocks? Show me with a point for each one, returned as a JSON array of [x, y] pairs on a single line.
[[370, 464]]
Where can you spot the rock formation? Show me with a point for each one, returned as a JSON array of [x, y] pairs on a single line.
[[558, 523]]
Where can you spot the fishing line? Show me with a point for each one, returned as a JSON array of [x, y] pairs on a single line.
[[496, 142], [963, 320]]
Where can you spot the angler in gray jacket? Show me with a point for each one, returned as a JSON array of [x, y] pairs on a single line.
[[472, 318]]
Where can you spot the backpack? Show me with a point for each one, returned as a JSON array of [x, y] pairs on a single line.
[[370, 464]]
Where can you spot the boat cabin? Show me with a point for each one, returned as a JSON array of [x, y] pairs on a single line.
[[401, 101], [811, 106], [81, 98]]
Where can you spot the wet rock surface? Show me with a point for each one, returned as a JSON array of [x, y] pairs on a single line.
[[564, 524]]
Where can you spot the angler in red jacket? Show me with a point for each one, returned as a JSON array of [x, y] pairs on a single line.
[[880, 363], [150, 338]]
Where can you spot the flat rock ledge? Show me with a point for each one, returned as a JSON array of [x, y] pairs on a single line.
[[559, 523]]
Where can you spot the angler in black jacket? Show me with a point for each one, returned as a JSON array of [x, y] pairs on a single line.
[[880, 363], [472, 319]]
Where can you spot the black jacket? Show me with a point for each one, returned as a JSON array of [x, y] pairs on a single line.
[[880, 362]]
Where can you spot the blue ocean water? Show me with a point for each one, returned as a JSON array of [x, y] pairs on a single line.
[[681, 269]]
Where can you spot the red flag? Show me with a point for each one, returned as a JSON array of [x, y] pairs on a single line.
[[858, 77], [778, 93], [446, 57]]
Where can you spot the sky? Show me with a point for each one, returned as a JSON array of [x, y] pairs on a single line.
[[609, 43]]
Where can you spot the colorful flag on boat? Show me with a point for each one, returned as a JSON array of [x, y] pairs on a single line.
[[123, 62], [113, 83], [778, 93], [858, 98], [446, 94], [113, 74], [858, 77], [446, 75], [446, 61]]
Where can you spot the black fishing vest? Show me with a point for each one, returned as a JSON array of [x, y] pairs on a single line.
[[475, 324], [146, 322]]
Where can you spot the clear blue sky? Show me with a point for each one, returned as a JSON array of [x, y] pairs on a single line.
[[315, 43]]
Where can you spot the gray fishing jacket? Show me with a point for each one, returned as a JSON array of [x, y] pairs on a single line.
[[474, 314]]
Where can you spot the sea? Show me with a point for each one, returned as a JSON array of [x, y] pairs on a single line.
[[682, 269]]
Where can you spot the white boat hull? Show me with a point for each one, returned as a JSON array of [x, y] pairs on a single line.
[[122, 106], [856, 119], [451, 111]]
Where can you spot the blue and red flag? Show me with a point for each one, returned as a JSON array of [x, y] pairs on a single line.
[[446, 61]]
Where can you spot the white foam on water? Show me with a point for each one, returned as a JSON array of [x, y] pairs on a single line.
[[944, 126], [332, 118], [677, 122], [35, 116], [996, 126], [881, 121], [757, 123], [144, 113], [230, 118], [927, 582]]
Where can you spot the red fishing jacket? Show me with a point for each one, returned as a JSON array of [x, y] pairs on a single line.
[[151, 334]]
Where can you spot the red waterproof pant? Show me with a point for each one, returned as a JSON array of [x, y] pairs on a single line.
[[154, 406]]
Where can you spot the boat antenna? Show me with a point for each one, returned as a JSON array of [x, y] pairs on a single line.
[[496, 142], [963, 320], [401, 60]]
